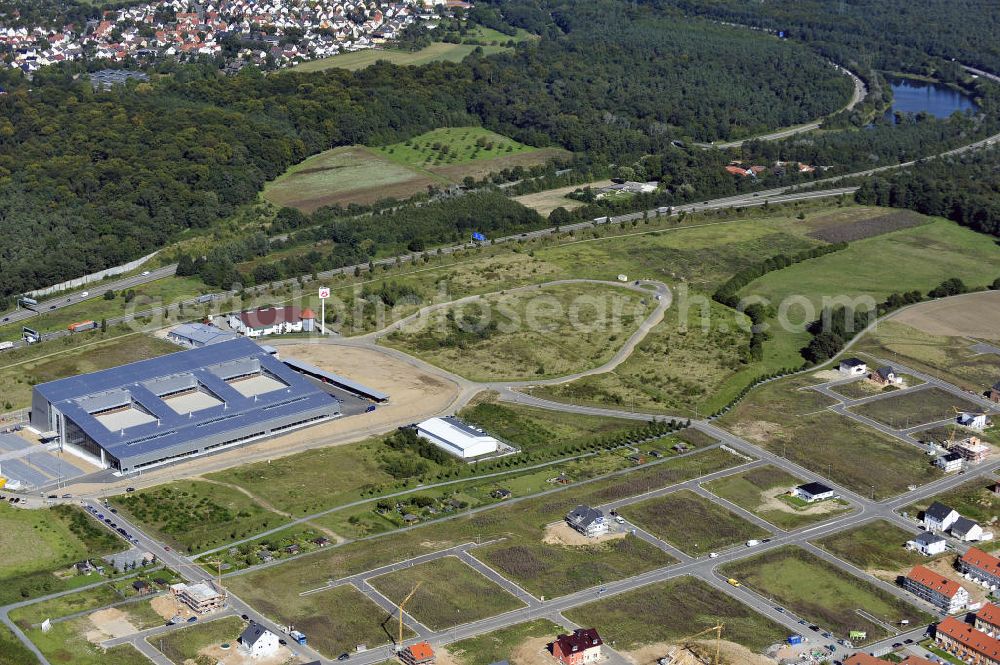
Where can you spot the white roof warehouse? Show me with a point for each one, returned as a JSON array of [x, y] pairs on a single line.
[[457, 437]]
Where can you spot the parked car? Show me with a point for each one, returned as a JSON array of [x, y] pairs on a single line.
[[344, 656]]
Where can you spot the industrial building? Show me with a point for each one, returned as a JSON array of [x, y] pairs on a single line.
[[458, 437], [177, 406], [197, 335]]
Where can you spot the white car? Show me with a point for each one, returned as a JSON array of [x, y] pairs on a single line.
[[85, 294], [145, 272], [619, 519], [713, 555]]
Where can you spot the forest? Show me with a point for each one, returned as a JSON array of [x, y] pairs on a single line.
[[96, 179]]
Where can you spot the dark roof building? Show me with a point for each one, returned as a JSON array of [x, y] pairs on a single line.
[[180, 405]]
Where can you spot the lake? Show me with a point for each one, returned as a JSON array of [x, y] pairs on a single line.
[[910, 96]]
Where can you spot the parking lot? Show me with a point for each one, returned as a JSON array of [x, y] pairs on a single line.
[[33, 465]]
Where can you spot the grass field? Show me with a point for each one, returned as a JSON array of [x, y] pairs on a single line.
[[67, 644], [974, 499], [183, 645], [553, 569], [691, 523], [922, 257], [195, 515], [38, 543], [865, 388], [915, 407], [947, 357], [822, 593], [55, 608], [503, 644], [452, 593], [451, 145], [548, 332], [674, 609], [793, 423], [759, 490], [876, 547], [438, 51], [21, 369]]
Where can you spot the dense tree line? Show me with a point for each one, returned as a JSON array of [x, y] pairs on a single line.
[[964, 188], [89, 180]]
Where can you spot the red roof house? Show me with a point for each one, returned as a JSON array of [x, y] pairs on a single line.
[[962, 640], [583, 645]]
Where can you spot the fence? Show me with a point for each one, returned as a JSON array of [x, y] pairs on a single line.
[[93, 277]]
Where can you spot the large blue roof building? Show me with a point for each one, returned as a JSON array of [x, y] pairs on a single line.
[[179, 405]]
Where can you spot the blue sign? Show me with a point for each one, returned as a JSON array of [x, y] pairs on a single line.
[[782, 34], [476, 235]]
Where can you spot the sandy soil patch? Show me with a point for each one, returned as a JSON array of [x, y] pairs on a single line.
[[976, 315], [233, 656], [560, 533], [415, 394], [547, 201], [828, 375], [168, 607], [109, 623], [532, 652], [758, 430], [730, 653]]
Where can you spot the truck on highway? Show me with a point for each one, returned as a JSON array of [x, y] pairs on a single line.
[[28, 302], [81, 326], [753, 543], [6, 345], [206, 298], [298, 637]]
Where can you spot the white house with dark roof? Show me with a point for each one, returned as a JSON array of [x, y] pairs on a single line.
[[949, 462], [258, 641], [812, 492], [886, 376], [966, 530], [853, 367], [588, 521], [928, 544], [939, 517]]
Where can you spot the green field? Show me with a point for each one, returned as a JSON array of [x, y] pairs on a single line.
[[948, 358], [864, 388], [503, 644], [915, 407], [451, 593], [22, 368], [670, 610], [194, 515], [451, 145], [12, 652], [761, 491], [548, 569], [921, 258], [184, 645], [974, 500], [437, 51], [793, 423], [822, 593], [67, 644], [691, 523], [877, 547], [527, 334], [90, 599], [36, 544]]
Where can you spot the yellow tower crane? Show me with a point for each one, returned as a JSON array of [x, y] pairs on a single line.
[[399, 644], [717, 629], [218, 576]]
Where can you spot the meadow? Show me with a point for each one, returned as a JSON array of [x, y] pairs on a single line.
[[503, 644], [183, 646], [436, 52], [915, 407], [875, 547]]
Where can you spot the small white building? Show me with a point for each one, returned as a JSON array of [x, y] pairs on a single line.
[[853, 367], [928, 544], [457, 437], [949, 462], [588, 521], [976, 421], [812, 492], [258, 641], [939, 517]]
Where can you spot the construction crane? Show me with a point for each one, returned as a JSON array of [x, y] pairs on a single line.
[[218, 576], [717, 629], [399, 644]]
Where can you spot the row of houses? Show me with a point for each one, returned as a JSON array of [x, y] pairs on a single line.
[[288, 31], [974, 642], [941, 518]]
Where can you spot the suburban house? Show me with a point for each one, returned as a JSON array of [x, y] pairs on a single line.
[[928, 544], [273, 321], [582, 646], [588, 521], [200, 597], [258, 641], [886, 376], [965, 642], [938, 590], [994, 394], [853, 367], [949, 462], [417, 654], [939, 517], [811, 492], [966, 530], [988, 620], [980, 566], [976, 421]]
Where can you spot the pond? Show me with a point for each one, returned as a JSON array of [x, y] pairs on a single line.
[[911, 96]]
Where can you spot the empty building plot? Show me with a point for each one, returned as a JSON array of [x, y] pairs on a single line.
[[180, 405]]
